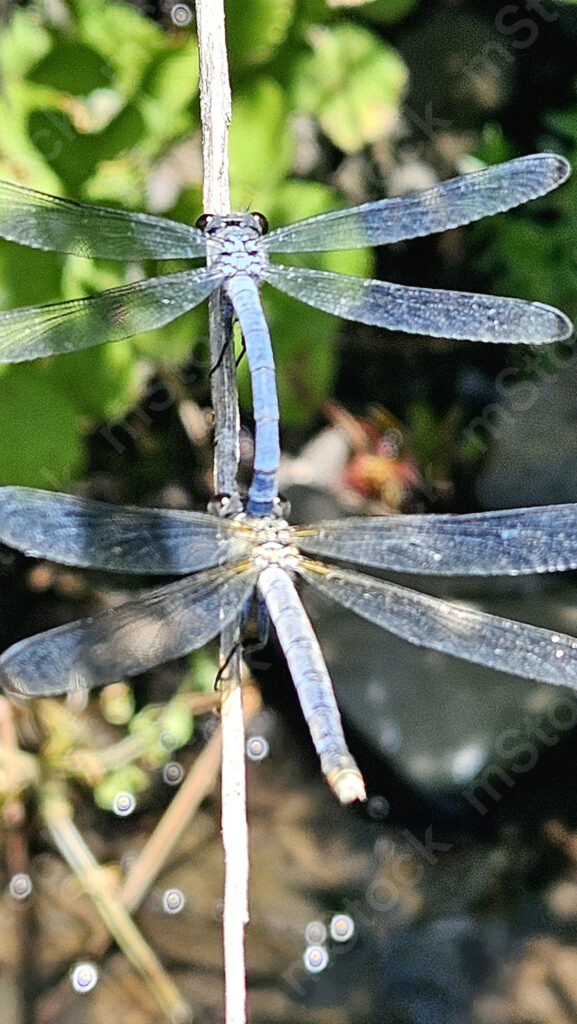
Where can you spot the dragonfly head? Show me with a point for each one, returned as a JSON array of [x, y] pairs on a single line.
[[214, 224], [226, 506]]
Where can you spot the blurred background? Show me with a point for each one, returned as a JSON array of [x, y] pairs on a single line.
[[456, 886]]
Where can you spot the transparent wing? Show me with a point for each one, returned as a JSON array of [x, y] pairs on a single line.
[[509, 542], [437, 313], [76, 531], [63, 225], [35, 331], [166, 623], [508, 646], [448, 205]]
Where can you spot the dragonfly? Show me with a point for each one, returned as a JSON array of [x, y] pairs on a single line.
[[224, 564], [237, 250]]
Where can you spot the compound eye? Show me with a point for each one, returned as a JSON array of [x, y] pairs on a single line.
[[203, 221], [262, 222]]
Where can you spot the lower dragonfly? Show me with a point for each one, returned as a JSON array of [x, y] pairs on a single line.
[[237, 253], [224, 560]]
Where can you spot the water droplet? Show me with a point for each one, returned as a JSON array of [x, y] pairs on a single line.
[[20, 886], [167, 740], [467, 761], [559, 653], [84, 977], [124, 804], [390, 736], [315, 959], [173, 773], [127, 861], [342, 928], [315, 933], [555, 638], [209, 727], [181, 15], [257, 748], [378, 807], [173, 901]]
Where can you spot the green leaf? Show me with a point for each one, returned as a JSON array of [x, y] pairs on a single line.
[[385, 11], [260, 145], [168, 95], [128, 40], [173, 78], [68, 153], [352, 83], [72, 67], [127, 779], [123, 134], [28, 276], [177, 726], [255, 30], [105, 381], [41, 440], [23, 41]]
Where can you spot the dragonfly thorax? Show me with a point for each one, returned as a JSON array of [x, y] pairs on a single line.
[[273, 544], [233, 242]]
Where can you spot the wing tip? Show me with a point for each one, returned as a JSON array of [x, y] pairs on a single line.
[[562, 328], [559, 166]]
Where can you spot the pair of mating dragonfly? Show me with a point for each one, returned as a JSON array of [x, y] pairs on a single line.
[[224, 560]]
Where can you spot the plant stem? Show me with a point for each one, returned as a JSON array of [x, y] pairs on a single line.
[[215, 107]]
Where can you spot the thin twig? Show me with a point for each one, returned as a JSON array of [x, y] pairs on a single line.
[[152, 859], [196, 787], [215, 107], [96, 883], [234, 834]]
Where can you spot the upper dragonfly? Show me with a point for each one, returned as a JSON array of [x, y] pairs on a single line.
[[228, 558], [237, 252]]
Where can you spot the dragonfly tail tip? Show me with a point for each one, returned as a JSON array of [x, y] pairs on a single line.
[[348, 785]]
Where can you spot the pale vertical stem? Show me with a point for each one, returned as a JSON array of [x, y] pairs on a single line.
[[234, 833], [215, 114], [215, 107]]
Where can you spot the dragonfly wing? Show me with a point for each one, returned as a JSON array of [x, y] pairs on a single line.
[[448, 205], [507, 542], [522, 650], [166, 623], [77, 531], [35, 331], [63, 225], [434, 312]]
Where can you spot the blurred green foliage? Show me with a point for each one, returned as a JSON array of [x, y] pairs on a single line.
[[100, 103], [352, 83], [531, 252]]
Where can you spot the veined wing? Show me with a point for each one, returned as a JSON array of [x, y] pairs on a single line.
[[77, 531], [35, 331], [166, 623], [63, 225], [434, 312], [527, 651], [448, 205], [507, 542]]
